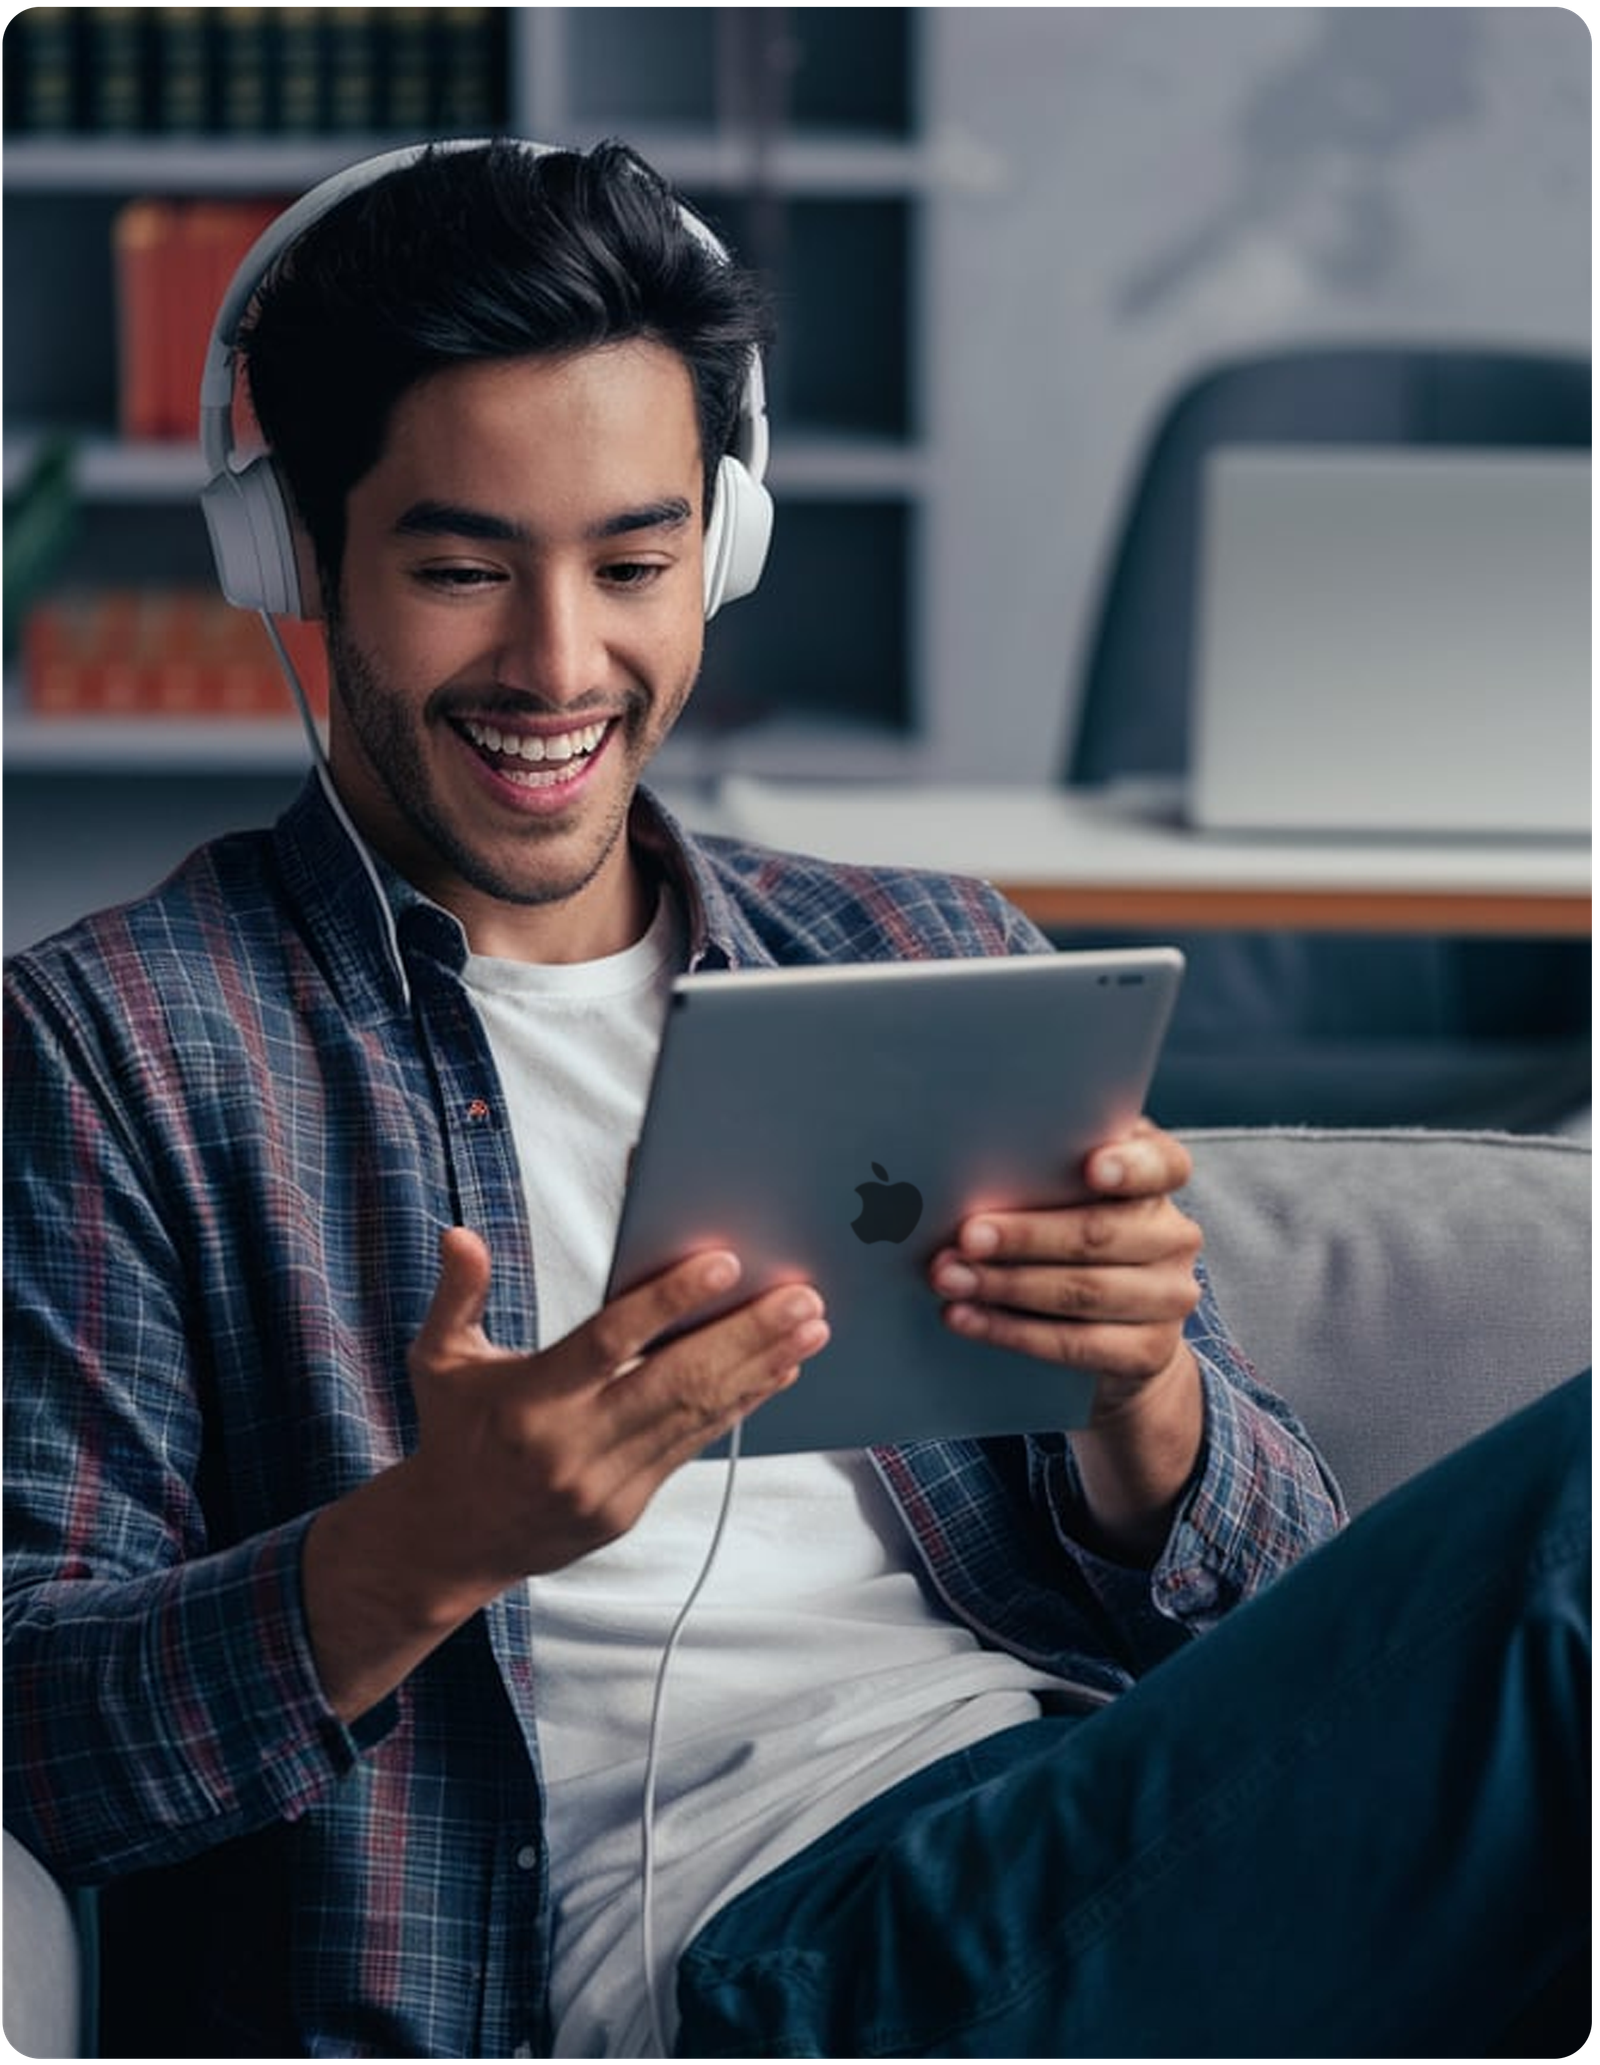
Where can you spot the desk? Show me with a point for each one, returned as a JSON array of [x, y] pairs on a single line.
[[1122, 856]]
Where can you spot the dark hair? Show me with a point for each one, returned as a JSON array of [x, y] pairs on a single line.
[[488, 252]]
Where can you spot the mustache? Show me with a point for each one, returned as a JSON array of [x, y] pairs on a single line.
[[448, 705]]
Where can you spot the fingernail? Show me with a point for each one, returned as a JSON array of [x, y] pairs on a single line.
[[982, 1237], [720, 1272], [803, 1305], [1112, 1171], [956, 1280]]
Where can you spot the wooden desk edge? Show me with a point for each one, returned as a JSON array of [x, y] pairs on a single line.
[[1506, 914]]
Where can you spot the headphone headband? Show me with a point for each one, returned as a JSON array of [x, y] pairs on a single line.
[[247, 510]]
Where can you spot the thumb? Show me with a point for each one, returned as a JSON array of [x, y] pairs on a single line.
[[461, 1295]]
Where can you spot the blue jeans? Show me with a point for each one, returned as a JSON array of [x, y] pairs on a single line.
[[1352, 1821]]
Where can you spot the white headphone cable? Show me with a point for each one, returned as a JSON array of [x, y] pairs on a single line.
[[647, 1811]]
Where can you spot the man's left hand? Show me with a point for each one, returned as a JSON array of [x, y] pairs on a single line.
[[1104, 1286]]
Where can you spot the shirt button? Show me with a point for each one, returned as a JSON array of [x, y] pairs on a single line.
[[527, 1857]]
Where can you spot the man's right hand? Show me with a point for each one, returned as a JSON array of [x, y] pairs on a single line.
[[525, 1462]]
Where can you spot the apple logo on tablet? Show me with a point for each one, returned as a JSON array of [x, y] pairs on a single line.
[[889, 1211]]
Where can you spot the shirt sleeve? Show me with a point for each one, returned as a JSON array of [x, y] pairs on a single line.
[[161, 1694], [1261, 1497]]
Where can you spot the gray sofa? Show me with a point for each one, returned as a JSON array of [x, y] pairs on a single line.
[[1402, 1289]]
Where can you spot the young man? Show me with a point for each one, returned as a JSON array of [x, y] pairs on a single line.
[[346, 1522]]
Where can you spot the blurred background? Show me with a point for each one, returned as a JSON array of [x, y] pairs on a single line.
[[1004, 242]]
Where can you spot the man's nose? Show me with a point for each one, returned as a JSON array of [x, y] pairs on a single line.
[[551, 646]]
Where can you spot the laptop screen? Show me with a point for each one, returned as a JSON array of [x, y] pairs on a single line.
[[1393, 639]]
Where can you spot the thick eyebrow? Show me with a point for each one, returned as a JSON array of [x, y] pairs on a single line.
[[458, 520]]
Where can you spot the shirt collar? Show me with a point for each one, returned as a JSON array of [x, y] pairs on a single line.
[[721, 934], [360, 938]]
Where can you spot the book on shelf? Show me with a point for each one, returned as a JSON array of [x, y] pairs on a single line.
[[112, 87], [349, 79], [143, 239], [154, 653], [298, 70], [172, 261], [181, 86], [213, 237], [411, 101], [41, 72], [235, 71], [471, 61], [239, 86]]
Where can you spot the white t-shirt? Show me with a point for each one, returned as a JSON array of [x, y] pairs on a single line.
[[813, 1673], [575, 1044]]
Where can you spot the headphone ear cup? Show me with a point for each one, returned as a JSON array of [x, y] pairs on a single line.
[[253, 540], [737, 536]]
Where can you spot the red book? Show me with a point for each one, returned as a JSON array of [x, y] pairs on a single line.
[[213, 237], [143, 256]]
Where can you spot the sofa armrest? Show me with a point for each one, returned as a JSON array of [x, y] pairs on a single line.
[[45, 1965]]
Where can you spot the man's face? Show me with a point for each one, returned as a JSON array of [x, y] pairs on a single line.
[[519, 623]]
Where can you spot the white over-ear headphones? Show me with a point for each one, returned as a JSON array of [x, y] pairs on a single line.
[[246, 506]]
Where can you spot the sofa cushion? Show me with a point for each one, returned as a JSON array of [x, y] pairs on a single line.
[[1401, 1289]]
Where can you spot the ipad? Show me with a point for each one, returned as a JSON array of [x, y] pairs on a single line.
[[834, 1124]]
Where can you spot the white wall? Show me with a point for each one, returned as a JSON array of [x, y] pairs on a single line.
[[1132, 191]]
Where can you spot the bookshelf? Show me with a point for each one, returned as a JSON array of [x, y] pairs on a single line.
[[795, 130]]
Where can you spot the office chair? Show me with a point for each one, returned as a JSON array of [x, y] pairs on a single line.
[[1302, 1028]]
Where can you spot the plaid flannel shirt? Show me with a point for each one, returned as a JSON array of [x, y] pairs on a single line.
[[234, 1130]]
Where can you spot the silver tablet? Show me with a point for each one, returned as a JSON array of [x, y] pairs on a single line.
[[835, 1124]]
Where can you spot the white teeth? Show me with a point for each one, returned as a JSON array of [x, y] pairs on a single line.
[[564, 745]]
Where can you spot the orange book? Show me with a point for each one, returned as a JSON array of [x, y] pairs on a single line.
[[241, 678], [308, 650], [114, 662], [50, 643], [180, 673], [177, 653]]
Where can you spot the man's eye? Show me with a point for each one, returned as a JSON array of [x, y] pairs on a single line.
[[458, 576], [632, 573]]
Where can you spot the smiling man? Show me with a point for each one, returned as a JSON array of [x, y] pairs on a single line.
[[519, 626], [346, 1519]]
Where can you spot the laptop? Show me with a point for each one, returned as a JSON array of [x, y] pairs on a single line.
[[834, 1124], [1393, 640]]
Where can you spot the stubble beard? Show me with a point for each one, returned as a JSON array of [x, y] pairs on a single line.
[[391, 744]]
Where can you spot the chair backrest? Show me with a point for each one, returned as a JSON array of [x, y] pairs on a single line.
[[1133, 709], [1306, 1003]]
